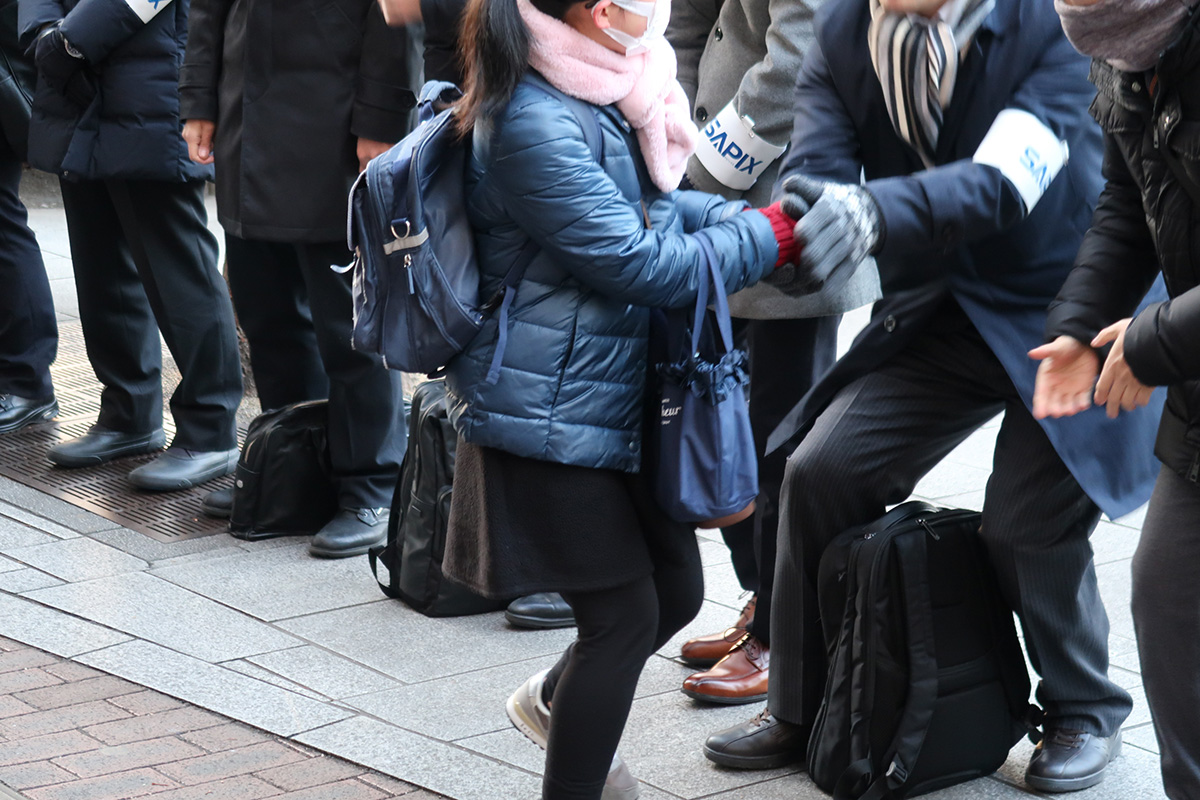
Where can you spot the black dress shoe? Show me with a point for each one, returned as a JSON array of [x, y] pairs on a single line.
[[100, 445], [762, 743], [543, 610], [17, 412], [1068, 760], [352, 532], [179, 468], [218, 504]]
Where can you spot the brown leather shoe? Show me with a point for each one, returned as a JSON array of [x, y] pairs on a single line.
[[705, 651], [740, 677]]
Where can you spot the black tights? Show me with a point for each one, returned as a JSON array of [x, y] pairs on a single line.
[[592, 685]]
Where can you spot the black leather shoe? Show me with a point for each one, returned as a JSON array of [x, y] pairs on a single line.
[[100, 445], [543, 610], [218, 504], [352, 532], [762, 743], [17, 412], [1068, 760], [178, 468]]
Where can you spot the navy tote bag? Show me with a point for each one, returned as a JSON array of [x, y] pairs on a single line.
[[707, 469]]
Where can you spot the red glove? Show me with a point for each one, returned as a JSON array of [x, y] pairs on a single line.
[[784, 228]]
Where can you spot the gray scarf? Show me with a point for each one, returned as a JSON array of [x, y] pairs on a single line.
[[1129, 34]]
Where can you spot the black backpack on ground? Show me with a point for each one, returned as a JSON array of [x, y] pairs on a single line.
[[927, 685], [416, 538], [283, 483]]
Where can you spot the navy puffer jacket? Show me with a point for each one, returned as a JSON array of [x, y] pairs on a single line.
[[573, 379], [131, 130]]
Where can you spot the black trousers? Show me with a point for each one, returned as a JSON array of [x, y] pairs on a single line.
[[146, 262], [1166, 616], [592, 685], [28, 332], [297, 315], [867, 451], [787, 356]]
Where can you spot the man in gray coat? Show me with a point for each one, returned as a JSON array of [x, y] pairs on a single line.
[[738, 61]]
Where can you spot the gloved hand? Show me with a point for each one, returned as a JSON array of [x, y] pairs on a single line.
[[64, 69], [839, 226]]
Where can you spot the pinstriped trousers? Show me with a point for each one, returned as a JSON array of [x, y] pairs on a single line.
[[880, 435]]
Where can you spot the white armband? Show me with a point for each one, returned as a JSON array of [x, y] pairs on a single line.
[[147, 9], [731, 151], [1026, 152]]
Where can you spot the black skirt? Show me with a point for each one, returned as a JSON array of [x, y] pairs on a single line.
[[519, 526]]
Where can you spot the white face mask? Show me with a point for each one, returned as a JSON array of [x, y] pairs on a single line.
[[657, 16]]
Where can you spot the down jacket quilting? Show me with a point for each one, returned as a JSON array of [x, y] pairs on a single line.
[[132, 129], [611, 245]]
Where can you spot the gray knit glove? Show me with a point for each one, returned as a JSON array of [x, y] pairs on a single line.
[[839, 226]]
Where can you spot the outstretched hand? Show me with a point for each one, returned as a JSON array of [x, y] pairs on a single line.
[[1117, 388], [1064, 378]]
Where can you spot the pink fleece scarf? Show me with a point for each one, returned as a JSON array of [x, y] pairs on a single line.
[[643, 86]]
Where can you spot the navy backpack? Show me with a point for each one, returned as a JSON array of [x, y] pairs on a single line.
[[416, 275]]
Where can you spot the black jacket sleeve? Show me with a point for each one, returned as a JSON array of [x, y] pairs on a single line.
[[384, 94], [201, 68], [442, 19], [1116, 264], [1160, 343]]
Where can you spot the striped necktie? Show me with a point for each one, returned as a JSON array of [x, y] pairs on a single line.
[[916, 59]]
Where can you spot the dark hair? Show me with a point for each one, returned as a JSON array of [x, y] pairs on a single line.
[[495, 54]]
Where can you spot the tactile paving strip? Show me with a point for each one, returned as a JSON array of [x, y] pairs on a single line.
[[104, 490]]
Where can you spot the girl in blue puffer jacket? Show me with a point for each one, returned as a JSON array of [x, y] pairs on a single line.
[[547, 490]]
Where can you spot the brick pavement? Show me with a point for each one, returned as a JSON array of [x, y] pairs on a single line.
[[69, 732]]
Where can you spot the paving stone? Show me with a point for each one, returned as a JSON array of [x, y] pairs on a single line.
[[1111, 542], [143, 547], [266, 676], [8, 565], [7, 645], [312, 586], [328, 673], [790, 787], [949, 479], [11, 707], [43, 748], [312, 772], [176, 721], [425, 762], [32, 774], [240, 787], [454, 707], [214, 688], [227, 736], [1141, 737], [37, 521], [158, 611], [16, 536], [51, 630], [145, 702], [389, 784], [243, 761], [49, 508], [70, 671], [419, 648], [54, 720], [26, 579], [78, 559], [67, 694], [11, 661], [137, 783], [123, 757], [344, 790], [25, 680]]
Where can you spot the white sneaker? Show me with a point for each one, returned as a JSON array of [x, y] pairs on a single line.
[[531, 716]]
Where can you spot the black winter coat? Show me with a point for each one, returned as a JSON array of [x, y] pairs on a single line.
[[442, 18], [292, 85], [131, 129], [1148, 219], [17, 80]]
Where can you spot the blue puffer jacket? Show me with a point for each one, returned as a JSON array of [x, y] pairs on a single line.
[[572, 384], [131, 130]]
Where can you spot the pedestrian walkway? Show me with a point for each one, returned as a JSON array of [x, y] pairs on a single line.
[[69, 732], [312, 652]]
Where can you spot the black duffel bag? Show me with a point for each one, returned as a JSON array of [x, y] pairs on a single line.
[[283, 483], [927, 686]]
